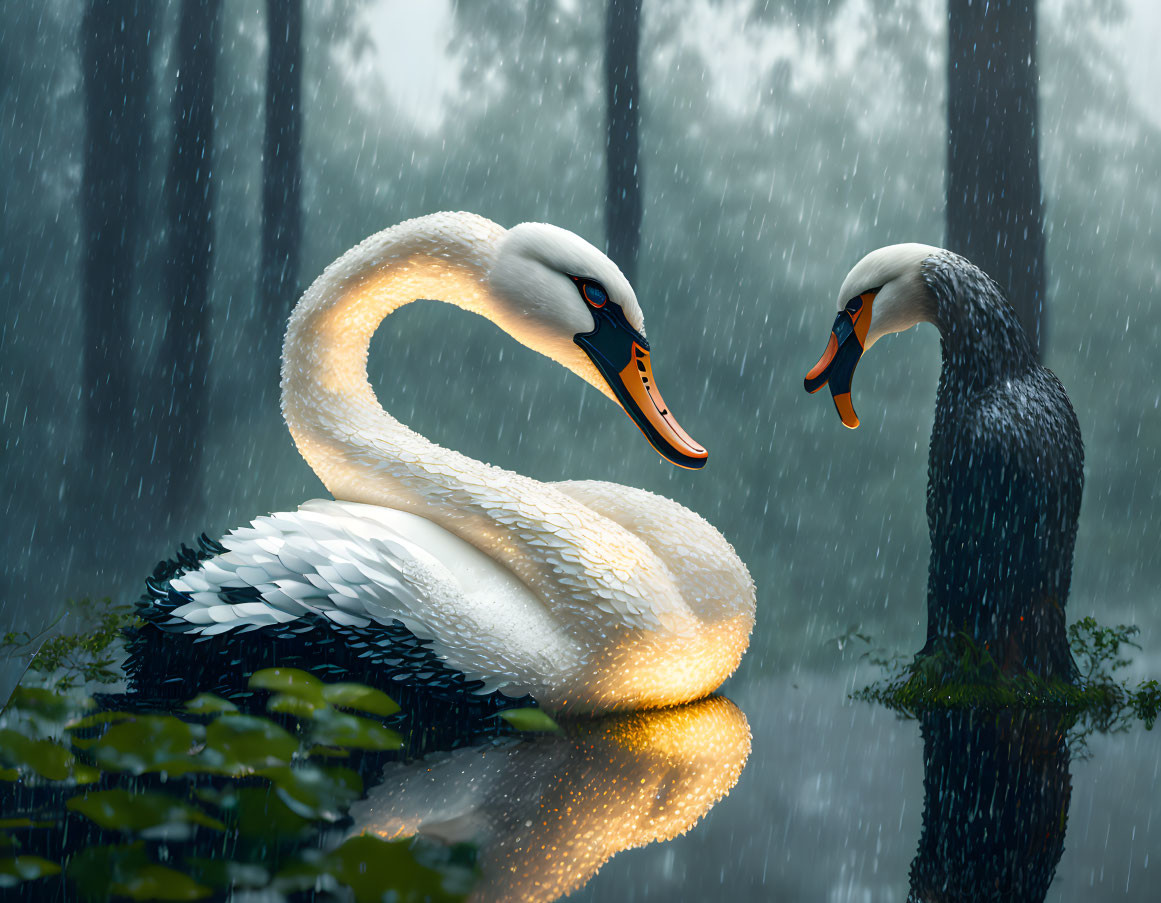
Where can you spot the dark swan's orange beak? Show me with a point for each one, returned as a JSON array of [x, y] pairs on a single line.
[[836, 367], [621, 355]]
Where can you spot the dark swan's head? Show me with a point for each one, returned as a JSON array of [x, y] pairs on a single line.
[[884, 293], [556, 293]]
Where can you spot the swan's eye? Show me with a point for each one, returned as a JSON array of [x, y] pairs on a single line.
[[594, 294], [855, 306]]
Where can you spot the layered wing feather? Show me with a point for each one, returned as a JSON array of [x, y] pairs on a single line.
[[359, 565]]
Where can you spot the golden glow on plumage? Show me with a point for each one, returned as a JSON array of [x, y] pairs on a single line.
[[548, 812]]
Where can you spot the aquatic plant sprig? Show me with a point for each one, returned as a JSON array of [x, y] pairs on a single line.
[[959, 673], [88, 655]]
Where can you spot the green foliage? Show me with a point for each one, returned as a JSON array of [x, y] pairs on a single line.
[[367, 864], [530, 720], [101, 872], [317, 706], [42, 757], [1097, 650], [17, 869], [122, 810], [962, 674], [1145, 702], [246, 794], [67, 660]]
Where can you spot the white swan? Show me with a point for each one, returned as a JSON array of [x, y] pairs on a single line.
[[587, 595]]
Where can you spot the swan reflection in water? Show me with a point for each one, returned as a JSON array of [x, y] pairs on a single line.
[[547, 812], [996, 788]]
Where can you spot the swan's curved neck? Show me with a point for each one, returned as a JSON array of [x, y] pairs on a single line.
[[362, 454], [983, 341], [359, 451]]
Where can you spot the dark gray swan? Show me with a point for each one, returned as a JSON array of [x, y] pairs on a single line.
[[1006, 465]]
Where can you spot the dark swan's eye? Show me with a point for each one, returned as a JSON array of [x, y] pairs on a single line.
[[855, 304], [594, 294]]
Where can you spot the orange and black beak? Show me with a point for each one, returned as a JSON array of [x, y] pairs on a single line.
[[836, 368], [621, 354]]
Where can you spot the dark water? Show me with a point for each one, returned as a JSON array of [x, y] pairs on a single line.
[[830, 800], [831, 807]]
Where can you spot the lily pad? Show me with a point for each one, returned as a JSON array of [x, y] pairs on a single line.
[[287, 704], [261, 818], [353, 732], [43, 757], [530, 720], [209, 704], [316, 793], [148, 743], [47, 703], [97, 719], [372, 868], [361, 698], [240, 743], [101, 872], [132, 812], [156, 882], [17, 869], [290, 681]]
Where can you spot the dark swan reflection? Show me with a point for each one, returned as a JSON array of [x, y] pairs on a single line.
[[996, 789], [547, 812]]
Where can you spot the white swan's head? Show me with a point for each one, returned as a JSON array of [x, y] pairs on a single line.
[[884, 293], [557, 294]]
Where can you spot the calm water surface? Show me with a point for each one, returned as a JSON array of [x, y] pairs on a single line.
[[827, 802], [830, 807]]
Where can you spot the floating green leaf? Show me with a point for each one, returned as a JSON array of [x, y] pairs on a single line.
[[372, 869], [147, 743], [261, 817], [530, 720], [97, 719], [290, 681], [243, 742], [209, 704], [24, 823], [44, 757], [313, 792], [123, 810], [17, 869], [286, 704], [101, 872], [46, 703], [156, 882], [333, 728], [361, 698]]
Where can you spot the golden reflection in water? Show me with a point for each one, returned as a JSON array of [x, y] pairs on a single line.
[[548, 812]]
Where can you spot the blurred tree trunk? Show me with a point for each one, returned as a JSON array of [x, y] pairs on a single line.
[[282, 163], [189, 208], [117, 79], [623, 191], [994, 207]]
